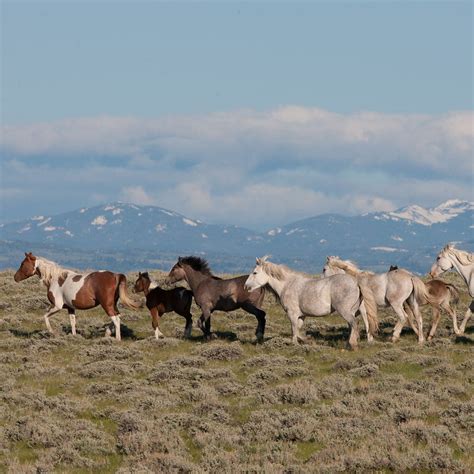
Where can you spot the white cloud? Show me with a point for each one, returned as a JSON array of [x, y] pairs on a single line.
[[136, 195], [253, 168]]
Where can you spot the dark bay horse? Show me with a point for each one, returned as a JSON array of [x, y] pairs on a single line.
[[215, 294], [71, 290], [160, 301]]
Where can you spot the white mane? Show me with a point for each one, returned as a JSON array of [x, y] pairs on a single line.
[[347, 265], [278, 271], [464, 258], [49, 271]]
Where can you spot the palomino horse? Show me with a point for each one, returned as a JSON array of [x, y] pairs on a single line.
[[302, 295], [463, 263], [160, 301], [393, 288], [214, 294], [71, 290]]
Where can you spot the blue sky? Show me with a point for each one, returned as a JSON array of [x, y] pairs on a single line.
[[317, 105]]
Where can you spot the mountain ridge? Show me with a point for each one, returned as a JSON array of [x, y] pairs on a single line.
[[409, 235]]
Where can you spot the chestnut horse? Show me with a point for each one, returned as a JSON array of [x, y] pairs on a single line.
[[212, 293], [71, 290], [160, 301]]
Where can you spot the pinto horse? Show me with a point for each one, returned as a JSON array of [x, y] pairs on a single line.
[[212, 293], [71, 290], [160, 301]]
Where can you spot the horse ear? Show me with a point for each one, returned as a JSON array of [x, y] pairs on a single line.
[[139, 274], [259, 261]]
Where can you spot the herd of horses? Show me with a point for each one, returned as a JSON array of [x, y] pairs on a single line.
[[343, 288]]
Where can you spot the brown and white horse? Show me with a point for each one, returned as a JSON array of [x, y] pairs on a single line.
[[71, 290]]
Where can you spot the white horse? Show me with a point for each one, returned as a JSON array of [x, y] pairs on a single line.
[[392, 288], [463, 263], [302, 295]]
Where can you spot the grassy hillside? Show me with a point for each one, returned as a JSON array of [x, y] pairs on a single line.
[[89, 404]]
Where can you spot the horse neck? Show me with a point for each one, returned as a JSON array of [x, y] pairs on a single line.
[[194, 278], [466, 271], [277, 285]]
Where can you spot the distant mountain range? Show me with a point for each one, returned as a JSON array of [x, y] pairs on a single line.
[[124, 236]]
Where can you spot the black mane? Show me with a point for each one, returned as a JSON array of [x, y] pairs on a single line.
[[196, 263]]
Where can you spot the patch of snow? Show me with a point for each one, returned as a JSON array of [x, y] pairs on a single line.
[[84, 209], [45, 221], [322, 241], [160, 227], [117, 211], [117, 221], [99, 220], [189, 222], [377, 218], [388, 249], [24, 229], [168, 213], [225, 231], [274, 231], [442, 213], [134, 207], [397, 238], [292, 231], [49, 228], [37, 218], [139, 214], [204, 236], [109, 208], [69, 233]]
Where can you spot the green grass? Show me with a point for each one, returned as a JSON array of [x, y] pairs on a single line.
[[84, 404]]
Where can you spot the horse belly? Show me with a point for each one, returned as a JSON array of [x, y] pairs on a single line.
[[77, 294], [314, 302]]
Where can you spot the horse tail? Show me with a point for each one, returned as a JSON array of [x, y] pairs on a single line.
[[454, 293], [123, 294], [368, 299], [421, 293]]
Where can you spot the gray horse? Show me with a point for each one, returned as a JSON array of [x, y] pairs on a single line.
[[212, 293], [302, 295], [393, 288]]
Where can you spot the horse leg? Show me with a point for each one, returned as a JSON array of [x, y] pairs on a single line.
[[155, 322], [189, 325], [468, 314], [434, 325], [72, 319], [354, 327], [411, 316], [450, 311], [402, 317], [260, 315], [112, 311], [52, 310], [363, 313], [297, 321]]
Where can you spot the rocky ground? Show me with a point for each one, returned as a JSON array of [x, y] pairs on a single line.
[[87, 403]]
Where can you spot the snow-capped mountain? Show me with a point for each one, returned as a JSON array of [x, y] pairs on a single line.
[[419, 215], [126, 236], [127, 226]]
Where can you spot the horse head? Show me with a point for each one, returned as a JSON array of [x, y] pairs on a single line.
[[27, 268]]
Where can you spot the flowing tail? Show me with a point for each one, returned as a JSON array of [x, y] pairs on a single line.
[[421, 293], [454, 293], [370, 305], [123, 294]]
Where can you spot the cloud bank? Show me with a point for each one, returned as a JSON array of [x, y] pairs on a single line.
[[257, 169]]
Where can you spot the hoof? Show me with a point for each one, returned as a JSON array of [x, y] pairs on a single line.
[[108, 332]]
